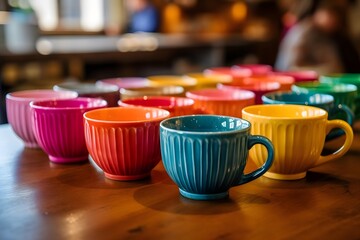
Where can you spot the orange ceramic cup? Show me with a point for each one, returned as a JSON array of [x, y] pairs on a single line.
[[171, 80], [177, 106], [124, 141], [285, 81], [228, 102], [237, 74]]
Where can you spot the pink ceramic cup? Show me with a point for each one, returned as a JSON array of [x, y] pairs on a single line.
[[19, 112], [59, 128], [256, 69], [237, 74], [299, 75], [124, 141], [228, 102], [259, 88], [177, 106], [126, 82]]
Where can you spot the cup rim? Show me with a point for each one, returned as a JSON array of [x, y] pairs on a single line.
[[202, 133], [245, 111], [123, 122], [312, 87], [197, 94], [58, 95], [266, 98], [171, 99], [100, 103]]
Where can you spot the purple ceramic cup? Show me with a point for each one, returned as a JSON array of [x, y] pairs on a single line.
[[19, 113]]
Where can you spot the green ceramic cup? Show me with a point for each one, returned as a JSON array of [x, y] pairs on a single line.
[[348, 78], [345, 94]]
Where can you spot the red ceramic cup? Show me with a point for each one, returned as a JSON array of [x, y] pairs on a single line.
[[177, 106], [59, 128], [19, 113], [259, 88], [124, 141], [228, 102]]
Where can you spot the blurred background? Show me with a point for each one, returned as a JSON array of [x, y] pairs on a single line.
[[45, 42]]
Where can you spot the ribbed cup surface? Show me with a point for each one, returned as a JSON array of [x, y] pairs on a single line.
[[204, 165], [124, 152], [61, 134], [297, 144]]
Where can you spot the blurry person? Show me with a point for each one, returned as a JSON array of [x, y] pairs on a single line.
[[319, 40], [144, 16]]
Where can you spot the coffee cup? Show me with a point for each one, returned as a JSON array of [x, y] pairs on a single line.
[[324, 101], [348, 78], [227, 102], [298, 135], [19, 112], [124, 141], [177, 106], [59, 127], [344, 94], [205, 155]]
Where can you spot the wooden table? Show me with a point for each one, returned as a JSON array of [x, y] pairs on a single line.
[[41, 200]]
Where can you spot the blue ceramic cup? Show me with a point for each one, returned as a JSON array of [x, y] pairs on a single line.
[[205, 155], [324, 101]]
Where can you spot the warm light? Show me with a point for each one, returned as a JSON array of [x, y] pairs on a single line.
[[47, 13], [238, 11], [92, 18], [172, 16]]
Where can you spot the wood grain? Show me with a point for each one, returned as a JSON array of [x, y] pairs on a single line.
[[41, 200]]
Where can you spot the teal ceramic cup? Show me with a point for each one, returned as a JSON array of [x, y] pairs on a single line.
[[205, 155], [324, 101], [348, 78], [344, 94]]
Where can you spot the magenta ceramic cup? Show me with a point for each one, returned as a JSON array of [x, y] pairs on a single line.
[[19, 112], [177, 106], [59, 127]]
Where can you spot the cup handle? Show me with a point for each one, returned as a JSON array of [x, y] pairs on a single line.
[[345, 147], [256, 139], [349, 119]]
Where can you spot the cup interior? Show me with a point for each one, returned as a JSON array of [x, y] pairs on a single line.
[[220, 94], [279, 111], [78, 103], [205, 124], [126, 114], [297, 98]]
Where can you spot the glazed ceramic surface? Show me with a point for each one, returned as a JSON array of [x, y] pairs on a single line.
[[259, 88], [298, 135], [345, 94], [324, 101], [108, 92], [177, 106], [172, 80], [175, 91], [208, 81], [227, 102], [59, 128], [256, 69], [124, 141], [349, 78], [19, 113], [205, 155]]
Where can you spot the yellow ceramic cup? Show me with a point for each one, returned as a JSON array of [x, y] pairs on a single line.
[[298, 135]]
